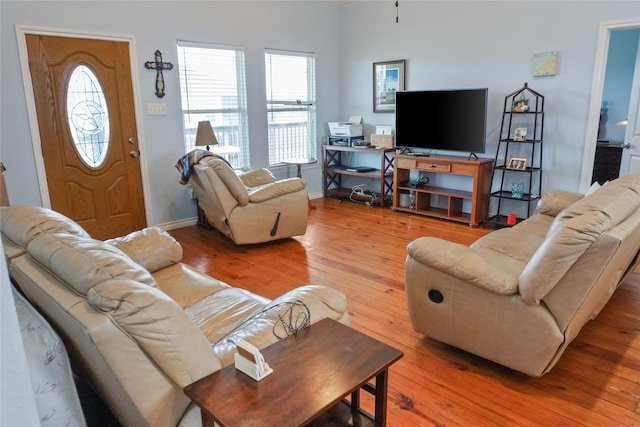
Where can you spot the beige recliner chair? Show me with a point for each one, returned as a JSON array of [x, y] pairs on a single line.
[[252, 207]]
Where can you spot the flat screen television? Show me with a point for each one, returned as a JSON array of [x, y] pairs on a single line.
[[453, 120]]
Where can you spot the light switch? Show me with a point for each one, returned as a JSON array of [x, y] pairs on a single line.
[[157, 109]]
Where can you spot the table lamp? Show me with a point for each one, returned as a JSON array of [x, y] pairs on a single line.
[[205, 135]]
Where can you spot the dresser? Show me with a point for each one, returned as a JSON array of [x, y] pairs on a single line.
[[606, 165]]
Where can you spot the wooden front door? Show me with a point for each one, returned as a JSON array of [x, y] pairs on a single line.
[[86, 117]]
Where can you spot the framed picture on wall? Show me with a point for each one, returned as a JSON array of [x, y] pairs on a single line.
[[388, 78]]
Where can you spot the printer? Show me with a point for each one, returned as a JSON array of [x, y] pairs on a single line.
[[350, 128]]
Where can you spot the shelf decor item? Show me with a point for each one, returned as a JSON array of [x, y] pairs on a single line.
[[517, 163], [385, 141], [517, 190], [388, 78], [520, 104], [520, 134]]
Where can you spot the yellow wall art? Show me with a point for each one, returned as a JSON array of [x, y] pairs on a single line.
[[545, 64]]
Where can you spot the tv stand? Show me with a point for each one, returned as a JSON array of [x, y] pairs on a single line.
[[478, 169], [418, 154], [472, 155]]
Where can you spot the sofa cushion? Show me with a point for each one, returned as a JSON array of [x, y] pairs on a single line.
[[517, 243], [616, 200], [573, 231], [280, 188], [560, 250], [22, 223], [594, 187], [556, 201], [185, 285], [152, 248], [82, 263], [257, 177], [159, 326], [231, 180], [220, 313], [537, 224]]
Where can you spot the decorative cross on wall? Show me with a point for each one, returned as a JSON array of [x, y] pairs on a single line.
[[158, 65]]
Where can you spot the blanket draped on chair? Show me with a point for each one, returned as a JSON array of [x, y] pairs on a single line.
[[185, 163]]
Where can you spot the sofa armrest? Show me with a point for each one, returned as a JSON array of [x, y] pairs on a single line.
[[257, 177], [556, 201], [484, 268], [276, 189], [322, 301], [152, 248], [261, 328]]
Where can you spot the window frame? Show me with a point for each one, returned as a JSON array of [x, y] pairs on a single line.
[[308, 148], [233, 145]]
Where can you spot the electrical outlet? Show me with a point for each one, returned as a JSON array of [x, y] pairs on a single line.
[[157, 109]]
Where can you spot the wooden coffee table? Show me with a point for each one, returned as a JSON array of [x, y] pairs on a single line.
[[312, 372]]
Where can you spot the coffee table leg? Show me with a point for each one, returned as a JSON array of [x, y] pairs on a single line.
[[207, 421], [381, 399], [355, 400]]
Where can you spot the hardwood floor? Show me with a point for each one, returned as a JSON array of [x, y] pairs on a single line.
[[360, 250]]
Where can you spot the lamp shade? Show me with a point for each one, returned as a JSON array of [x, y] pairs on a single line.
[[205, 135]]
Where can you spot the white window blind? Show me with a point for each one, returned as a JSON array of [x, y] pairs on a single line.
[[291, 105], [213, 87]]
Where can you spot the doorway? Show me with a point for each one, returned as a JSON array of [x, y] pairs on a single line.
[[593, 122], [85, 130]]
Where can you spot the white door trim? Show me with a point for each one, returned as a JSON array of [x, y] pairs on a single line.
[[593, 119], [21, 36]]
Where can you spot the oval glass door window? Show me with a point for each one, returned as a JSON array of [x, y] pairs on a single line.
[[88, 116]]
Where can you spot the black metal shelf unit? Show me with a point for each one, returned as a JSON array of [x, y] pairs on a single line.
[[517, 172]]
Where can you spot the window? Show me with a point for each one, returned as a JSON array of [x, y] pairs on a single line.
[[88, 116], [213, 88], [291, 109]]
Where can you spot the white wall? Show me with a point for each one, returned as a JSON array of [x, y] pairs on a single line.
[[301, 26], [468, 44], [450, 44]]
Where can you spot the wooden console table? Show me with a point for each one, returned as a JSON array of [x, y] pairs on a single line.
[[313, 371], [479, 169]]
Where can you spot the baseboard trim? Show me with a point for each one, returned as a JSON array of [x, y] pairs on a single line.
[[178, 224]]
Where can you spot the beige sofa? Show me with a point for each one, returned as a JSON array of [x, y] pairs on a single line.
[[252, 207], [520, 295], [140, 324]]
